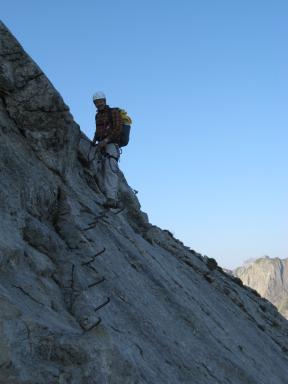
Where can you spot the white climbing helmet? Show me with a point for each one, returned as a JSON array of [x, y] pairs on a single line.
[[99, 95]]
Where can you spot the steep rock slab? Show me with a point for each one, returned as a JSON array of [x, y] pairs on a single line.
[[34, 107], [90, 296]]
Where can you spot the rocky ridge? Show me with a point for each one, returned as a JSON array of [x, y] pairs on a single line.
[[91, 296]]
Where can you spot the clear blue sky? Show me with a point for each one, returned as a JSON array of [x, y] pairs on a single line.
[[206, 83]]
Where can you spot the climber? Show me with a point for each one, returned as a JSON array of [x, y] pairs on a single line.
[[112, 132]]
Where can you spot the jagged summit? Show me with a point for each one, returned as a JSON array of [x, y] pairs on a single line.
[[168, 315]]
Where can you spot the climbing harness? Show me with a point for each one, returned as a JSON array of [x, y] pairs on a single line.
[[105, 155]]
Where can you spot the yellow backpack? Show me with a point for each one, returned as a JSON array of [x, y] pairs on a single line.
[[125, 118], [127, 121]]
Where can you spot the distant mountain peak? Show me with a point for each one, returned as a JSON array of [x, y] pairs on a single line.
[[269, 277]]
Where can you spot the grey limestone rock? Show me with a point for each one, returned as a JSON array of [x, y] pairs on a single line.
[[168, 315]]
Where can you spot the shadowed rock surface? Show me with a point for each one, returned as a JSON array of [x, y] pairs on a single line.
[[269, 277], [173, 316]]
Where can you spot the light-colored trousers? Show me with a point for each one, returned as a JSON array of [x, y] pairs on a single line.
[[110, 170]]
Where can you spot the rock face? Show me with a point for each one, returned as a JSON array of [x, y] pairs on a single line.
[[168, 315], [269, 277]]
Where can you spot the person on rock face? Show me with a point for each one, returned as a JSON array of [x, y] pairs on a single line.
[[108, 136]]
